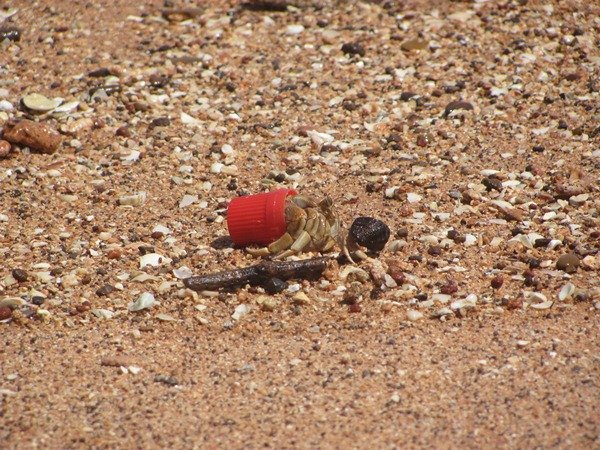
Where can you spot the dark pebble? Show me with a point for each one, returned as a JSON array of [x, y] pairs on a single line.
[[457, 105], [171, 381], [99, 73], [354, 308], [417, 258], [497, 282], [370, 233], [543, 242], [160, 122], [349, 105], [534, 263], [407, 95], [492, 183], [105, 290], [20, 275], [435, 250], [573, 76], [453, 234], [568, 262], [274, 285], [538, 148], [562, 125], [37, 300], [158, 81], [353, 48], [449, 288], [402, 233], [10, 33], [530, 281], [266, 5], [123, 132]]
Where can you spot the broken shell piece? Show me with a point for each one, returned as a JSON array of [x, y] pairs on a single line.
[[103, 313], [240, 311], [145, 300], [133, 200], [153, 259], [414, 315], [161, 229], [413, 198], [320, 139], [183, 272]]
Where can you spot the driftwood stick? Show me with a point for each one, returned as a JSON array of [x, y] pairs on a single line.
[[258, 274]]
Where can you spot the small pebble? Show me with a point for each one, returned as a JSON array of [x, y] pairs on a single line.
[[497, 282], [5, 312], [452, 106], [37, 136], [353, 48], [20, 275], [4, 149], [274, 285], [568, 262], [105, 290]]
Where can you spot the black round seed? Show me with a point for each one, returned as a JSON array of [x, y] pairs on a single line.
[[370, 233]]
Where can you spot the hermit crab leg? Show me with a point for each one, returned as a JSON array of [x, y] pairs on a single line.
[[299, 244]]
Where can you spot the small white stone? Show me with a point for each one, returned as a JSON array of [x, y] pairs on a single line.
[[216, 167], [294, 29], [187, 200], [183, 272], [240, 311], [413, 198], [413, 315]]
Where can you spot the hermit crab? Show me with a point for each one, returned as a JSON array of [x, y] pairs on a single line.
[[311, 227], [286, 224]]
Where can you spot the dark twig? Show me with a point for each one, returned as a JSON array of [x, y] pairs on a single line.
[[258, 274]]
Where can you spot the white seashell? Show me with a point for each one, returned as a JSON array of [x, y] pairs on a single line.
[[544, 305], [320, 138], [158, 228], [103, 313], [414, 315], [41, 103], [566, 291], [441, 298], [240, 311], [183, 272], [413, 198], [186, 119], [153, 259], [187, 200], [66, 107], [294, 29], [390, 192], [145, 300], [553, 244], [470, 239]]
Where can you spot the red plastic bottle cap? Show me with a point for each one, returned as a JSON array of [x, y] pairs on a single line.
[[258, 219]]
